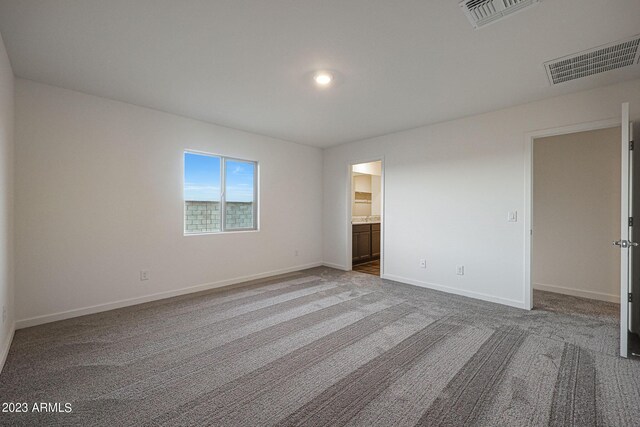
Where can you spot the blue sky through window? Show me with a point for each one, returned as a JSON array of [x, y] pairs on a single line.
[[202, 179], [239, 181]]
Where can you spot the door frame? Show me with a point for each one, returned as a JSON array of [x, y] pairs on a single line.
[[349, 210], [528, 185]]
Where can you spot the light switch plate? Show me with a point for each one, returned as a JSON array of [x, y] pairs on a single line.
[[512, 216]]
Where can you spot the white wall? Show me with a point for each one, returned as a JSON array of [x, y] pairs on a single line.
[[371, 168], [460, 179], [376, 195], [99, 198], [6, 201], [576, 214], [361, 183]]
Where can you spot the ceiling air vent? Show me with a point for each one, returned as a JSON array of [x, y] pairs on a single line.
[[483, 12], [593, 61]]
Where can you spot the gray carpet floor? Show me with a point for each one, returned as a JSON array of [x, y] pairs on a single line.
[[328, 348]]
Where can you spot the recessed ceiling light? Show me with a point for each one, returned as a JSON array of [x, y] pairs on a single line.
[[323, 78]]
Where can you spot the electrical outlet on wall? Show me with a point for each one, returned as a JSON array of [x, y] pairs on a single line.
[[423, 263], [296, 252], [460, 270], [144, 275], [4, 314]]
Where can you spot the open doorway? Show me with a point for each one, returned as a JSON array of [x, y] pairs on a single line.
[[625, 242], [576, 214], [366, 217]]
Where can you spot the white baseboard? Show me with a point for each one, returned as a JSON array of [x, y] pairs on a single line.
[[4, 350], [600, 296], [336, 266], [456, 291], [48, 318]]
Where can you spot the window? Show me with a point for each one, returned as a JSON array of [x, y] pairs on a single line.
[[239, 194], [220, 194]]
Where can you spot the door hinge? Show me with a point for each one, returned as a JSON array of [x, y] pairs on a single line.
[[630, 298], [631, 145], [630, 221]]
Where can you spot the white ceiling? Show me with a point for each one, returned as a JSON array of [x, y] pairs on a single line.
[[247, 63]]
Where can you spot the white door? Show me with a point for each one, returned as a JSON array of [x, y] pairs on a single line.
[[634, 285], [626, 242]]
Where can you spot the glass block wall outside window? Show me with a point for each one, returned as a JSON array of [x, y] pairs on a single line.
[[220, 194]]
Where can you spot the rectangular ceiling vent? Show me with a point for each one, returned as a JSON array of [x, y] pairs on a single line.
[[484, 12], [594, 61]]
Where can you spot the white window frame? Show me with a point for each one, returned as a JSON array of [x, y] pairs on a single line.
[[223, 194]]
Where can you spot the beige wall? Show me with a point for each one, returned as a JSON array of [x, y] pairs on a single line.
[[576, 214], [370, 182], [360, 183], [376, 195]]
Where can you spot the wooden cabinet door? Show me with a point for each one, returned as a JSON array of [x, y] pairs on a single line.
[[375, 243], [361, 244], [364, 246], [354, 249]]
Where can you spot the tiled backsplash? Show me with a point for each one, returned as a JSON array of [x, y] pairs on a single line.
[[372, 218]]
